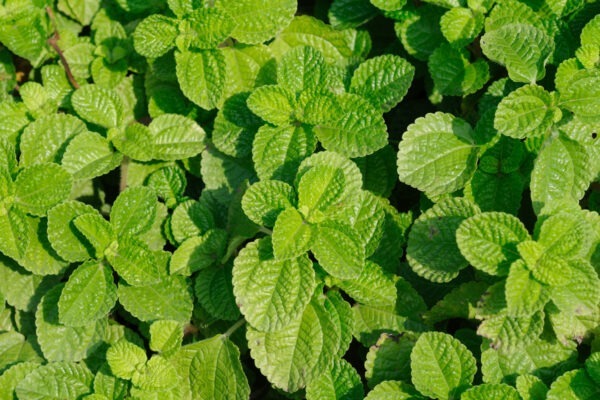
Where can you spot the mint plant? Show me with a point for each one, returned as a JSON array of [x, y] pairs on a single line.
[[343, 199]]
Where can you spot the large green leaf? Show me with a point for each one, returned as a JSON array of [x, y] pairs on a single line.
[[460, 25], [574, 385], [204, 28], [99, 106], [338, 249], [274, 104], [528, 111], [442, 367], [437, 154], [41, 187], [82, 11], [95, 231], [190, 218], [303, 69], [524, 294], [174, 137], [89, 155], [133, 261], [201, 75], [57, 381], [372, 287], [581, 294], [271, 293], [124, 358], [320, 190], [389, 359], [582, 95]]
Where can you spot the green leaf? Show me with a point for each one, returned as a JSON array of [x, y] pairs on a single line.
[[44, 140], [99, 106], [505, 331], [524, 294], [23, 32], [56, 381], [371, 322], [562, 170], [204, 28], [14, 233], [214, 292], [41, 187], [499, 391], [257, 21], [356, 130], [460, 26], [166, 336], [133, 261], [338, 249], [528, 111], [124, 358], [201, 75], [350, 13], [419, 31], [379, 171], [437, 154], [157, 375], [273, 103], [488, 241], [341, 382], [367, 217], [574, 385], [291, 235], [198, 252], [442, 367], [155, 36], [298, 353], [432, 251], [95, 231], [453, 74], [320, 191], [132, 141], [11, 377], [169, 183], [266, 199], [389, 359], [530, 387], [523, 48], [89, 294], [247, 67], [388, 5], [133, 211], [39, 257], [383, 80], [190, 218], [278, 152], [396, 390], [174, 137], [271, 293], [578, 296], [64, 343], [81, 11], [341, 315], [14, 349], [566, 235], [496, 192], [372, 287], [582, 95], [89, 155], [216, 371], [302, 69], [170, 298]]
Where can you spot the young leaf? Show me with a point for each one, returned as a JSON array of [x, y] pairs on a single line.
[[291, 235], [204, 28], [266, 199], [99, 106], [190, 218], [446, 143], [89, 155], [460, 26], [578, 296], [124, 358], [41, 187], [274, 104], [566, 235], [528, 111], [60, 380], [524, 294], [303, 69], [453, 74], [442, 367], [133, 261], [397, 390], [198, 252], [383, 80], [373, 287], [95, 231], [581, 95], [216, 371], [201, 75], [81, 11], [14, 233], [342, 382], [174, 137], [14, 374], [166, 336], [338, 249], [271, 293], [320, 191], [133, 211]]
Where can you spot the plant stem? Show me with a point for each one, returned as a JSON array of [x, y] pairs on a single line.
[[234, 327], [124, 170], [265, 230], [53, 41]]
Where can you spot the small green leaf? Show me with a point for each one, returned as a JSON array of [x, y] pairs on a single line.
[[530, 387], [397, 390], [419, 31], [155, 36], [198, 252], [89, 155], [302, 69], [41, 187], [460, 26], [124, 358], [190, 219], [216, 371], [389, 359], [582, 95], [266, 199], [81, 11], [174, 137], [273, 103], [169, 183], [442, 367], [453, 74], [157, 375], [372, 287], [580, 295], [201, 75], [88, 295], [566, 235], [499, 391], [528, 111], [320, 191], [133, 261], [204, 28], [166, 336], [95, 231], [133, 211], [437, 154], [271, 293], [291, 235], [54, 381], [342, 382], [524, 294], [14, 374], [99, 106], [338, 249], [14, 233]]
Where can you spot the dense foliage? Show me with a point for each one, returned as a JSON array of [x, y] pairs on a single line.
[[347, 199]]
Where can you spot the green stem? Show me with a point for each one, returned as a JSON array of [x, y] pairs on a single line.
[[234, 328], [265, 230]]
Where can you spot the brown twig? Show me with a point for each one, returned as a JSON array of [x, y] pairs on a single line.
[[53, 41]]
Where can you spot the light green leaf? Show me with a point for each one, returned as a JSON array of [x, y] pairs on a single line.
[[383, 80], [581, 294], [582, 95], [133, 211], [357, 130], [442, 367], [453, 74], [64, 343], [132, 140], [133, 261], [574, 385], [39, 257], [95, 231], [204, 28], [338, 249], [367, 216], [44, 139], [300, 352], [216, 371], [14, 233], [488, 241], [394, 390], [350, 13], [524, 294], [341, 315], [388, 5], [460, 26], [124, 358], [155, 36], [190, 219], [566, 235], [496, 391], [523, 48], [278, 152], [14, 349], [248, 67], [174, 137], [528, 111], [89, 155], [166, 336], [198, 252], [437, 154], [11, 377], [302, 69], [79, 57], [432, 251], [460, 302], [562, 170], [99, 106], [201, 75], [257, 21], [273, 103], [321, 191], [291, 235], [214, 292], [271, 293], [507, 332], [341, 382], [56, 381], [372, 287], [530, 387], [266, 199], [15, 117], [546, 267], [41, 187], [389, 359], [81, 11], [170, 298], [371, 322], [24, 33], [169, 183], [157, 375], [89, 294]]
